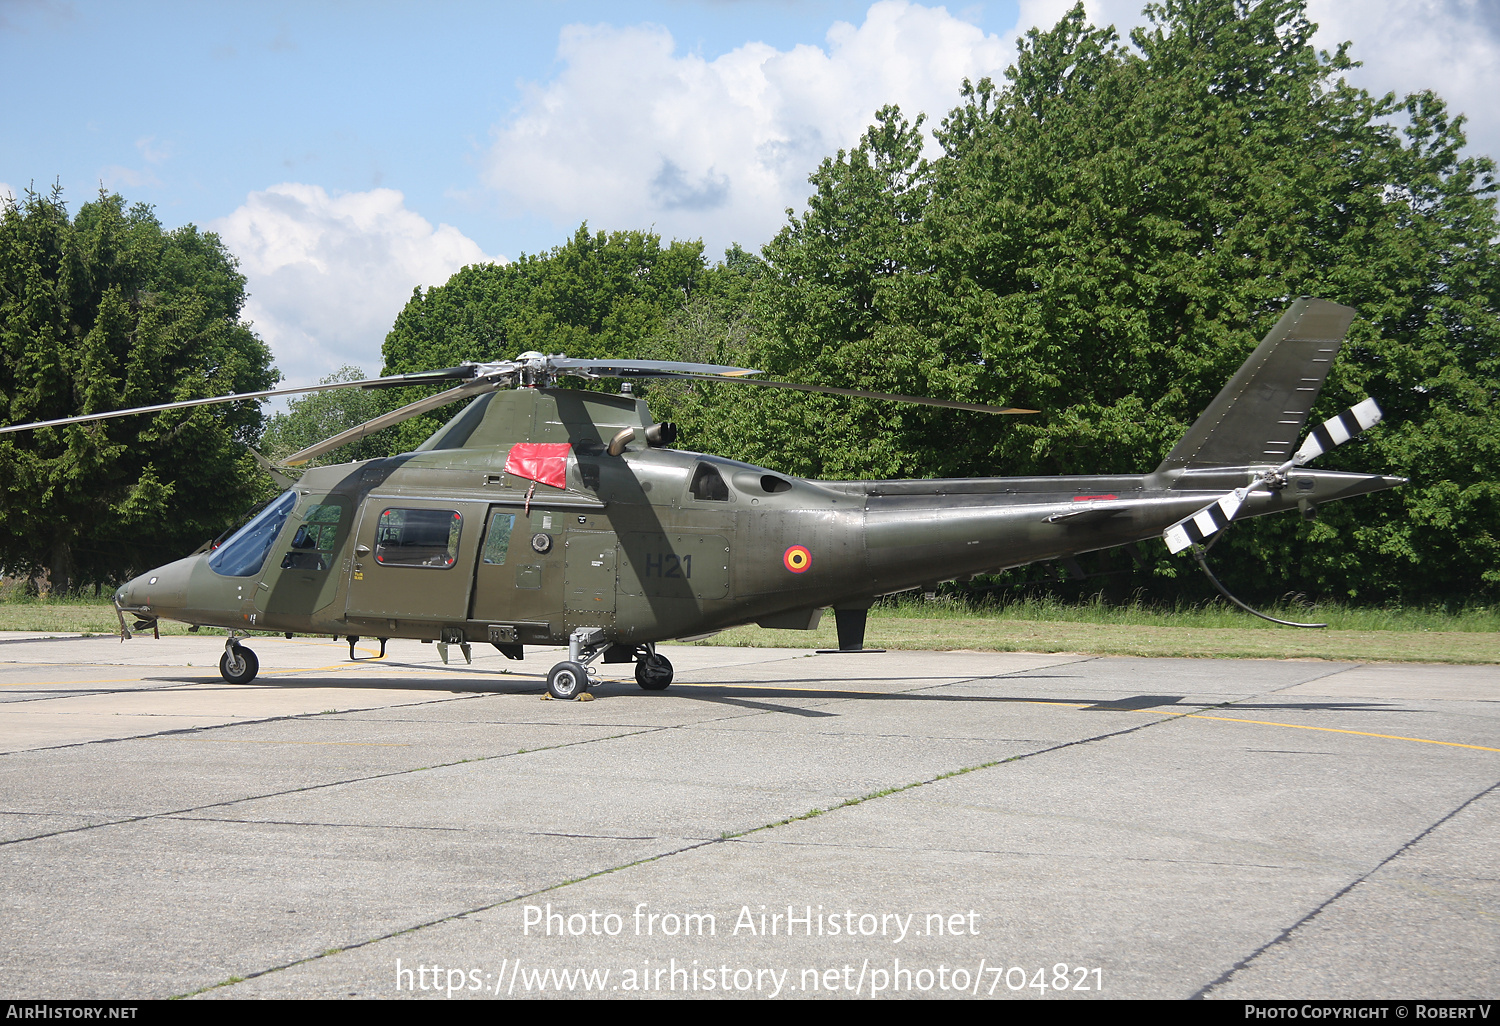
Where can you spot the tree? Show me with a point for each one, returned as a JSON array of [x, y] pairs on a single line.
[[1106, 237], [321, 415], [103, 311], [824, 316], [718, 322], [599, 295]]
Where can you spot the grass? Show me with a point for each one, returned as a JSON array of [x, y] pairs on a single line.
[[74, 615], [912, 606], [1213, 630]]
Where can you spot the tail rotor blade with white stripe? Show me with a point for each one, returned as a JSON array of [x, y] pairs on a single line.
[[1336, 431], [1209, 520], [1218, 514]]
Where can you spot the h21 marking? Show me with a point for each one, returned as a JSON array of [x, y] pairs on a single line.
[[669, 565]]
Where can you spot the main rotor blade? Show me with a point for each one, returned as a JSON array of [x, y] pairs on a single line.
[[463, 372], [644, 368], [390, 382], [282, 481], [672, 369], [385, 420], [951, 404]]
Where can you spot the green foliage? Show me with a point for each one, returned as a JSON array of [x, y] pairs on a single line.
[[599, 295], [719, 322], [1106, 237], [320, 415], [103, 311]]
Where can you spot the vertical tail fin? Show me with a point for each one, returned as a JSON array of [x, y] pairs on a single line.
[[1259, 415]]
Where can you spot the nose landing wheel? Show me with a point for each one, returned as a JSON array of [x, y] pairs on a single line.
[[238, 665], [567, 681]]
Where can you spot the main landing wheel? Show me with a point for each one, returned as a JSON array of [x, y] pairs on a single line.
[[238, 665], [653, 672], [567, 681]]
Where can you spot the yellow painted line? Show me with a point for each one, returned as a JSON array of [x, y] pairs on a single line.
[[408, 670], [310, 669], [69, 685], [832, 690], [344, 666], [778, 690], [1327, 730], [64, 685], [157, 668]]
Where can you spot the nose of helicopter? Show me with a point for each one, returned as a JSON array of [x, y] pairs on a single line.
[[159, 592]]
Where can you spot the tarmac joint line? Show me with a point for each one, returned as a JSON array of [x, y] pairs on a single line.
[[181, 813], [231, 981], [722, 838], [1287, 933]]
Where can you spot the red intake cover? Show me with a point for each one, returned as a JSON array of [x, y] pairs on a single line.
[[546, 462]]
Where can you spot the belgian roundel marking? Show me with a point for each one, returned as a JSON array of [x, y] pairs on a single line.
[[797, 559]]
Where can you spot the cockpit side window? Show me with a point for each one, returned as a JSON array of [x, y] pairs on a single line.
[[245, 551], [708, 484], [497, 540], [314, 543]]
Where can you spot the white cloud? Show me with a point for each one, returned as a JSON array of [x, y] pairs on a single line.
[[1449, 46], [116, 175], [631, 134], [151, 151], [328, 274]]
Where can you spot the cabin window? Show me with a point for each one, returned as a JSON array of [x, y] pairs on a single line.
[[245, 552], [709, 485], [314, 543], [497, 540], [418, 537]]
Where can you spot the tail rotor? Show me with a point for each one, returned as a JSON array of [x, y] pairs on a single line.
[[1219, 514], [1193, 531]]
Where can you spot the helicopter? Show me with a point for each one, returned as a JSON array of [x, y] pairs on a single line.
[[543, 515]]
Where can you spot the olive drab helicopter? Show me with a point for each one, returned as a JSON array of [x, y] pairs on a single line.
[[541, 515]]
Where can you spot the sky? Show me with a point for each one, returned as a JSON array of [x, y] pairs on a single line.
[[347, 152]]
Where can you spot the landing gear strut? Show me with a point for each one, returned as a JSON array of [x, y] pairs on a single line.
[[569, 680], [354, 638]]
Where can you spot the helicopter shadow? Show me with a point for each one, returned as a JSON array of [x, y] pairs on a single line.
[[760, 695], [1136, 703]]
